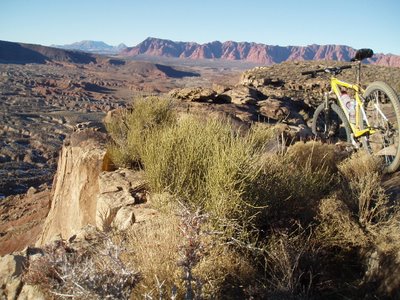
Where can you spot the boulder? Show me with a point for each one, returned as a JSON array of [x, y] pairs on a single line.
[[196, 94], [11, 268], [31, 191], [124, 218], [219, 89], [118, 189], [242, 95], [273, 109]]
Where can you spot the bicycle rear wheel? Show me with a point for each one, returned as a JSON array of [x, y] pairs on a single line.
[[331, 125], [383, 112]]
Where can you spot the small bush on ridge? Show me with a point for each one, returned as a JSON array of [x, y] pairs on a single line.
[[130, 129]]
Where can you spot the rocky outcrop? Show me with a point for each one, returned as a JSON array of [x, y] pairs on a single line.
[[242, 94], [85, 193], [284, 81], [86, 201], [198, 94], [251, 52], [12, 287], [75, 187], [245, 104], [119, 191]]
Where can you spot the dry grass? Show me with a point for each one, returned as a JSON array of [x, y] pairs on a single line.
[[383, 259], [365, 196], [225, 272], [338, 227], [317, 156], [154, 250], [287, 276], [292, 183], [166, 248], [361, 218], [80, 271]]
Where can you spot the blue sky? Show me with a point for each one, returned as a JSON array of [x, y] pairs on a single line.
[[357, 23]]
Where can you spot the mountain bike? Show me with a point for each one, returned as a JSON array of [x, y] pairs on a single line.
[[367, 118]]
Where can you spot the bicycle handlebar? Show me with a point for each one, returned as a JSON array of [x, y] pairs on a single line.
[[334, 70]]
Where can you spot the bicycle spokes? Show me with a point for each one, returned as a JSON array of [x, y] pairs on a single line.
[[330, 124], [381, 114]]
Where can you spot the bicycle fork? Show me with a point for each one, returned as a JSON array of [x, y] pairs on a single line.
[[327, 115], [329, 130]]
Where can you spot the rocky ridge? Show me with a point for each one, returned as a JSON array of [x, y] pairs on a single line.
[[251, 52]]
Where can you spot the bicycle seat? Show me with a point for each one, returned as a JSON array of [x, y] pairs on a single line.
[[363, 54]]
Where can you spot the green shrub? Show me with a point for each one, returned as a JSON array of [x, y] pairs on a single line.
[[118, 129], [129, 130], [206, 165]]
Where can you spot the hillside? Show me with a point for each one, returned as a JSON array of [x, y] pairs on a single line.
[[20, 53], [251, 52]]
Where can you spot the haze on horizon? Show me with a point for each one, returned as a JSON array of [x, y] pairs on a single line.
[[356, 23]]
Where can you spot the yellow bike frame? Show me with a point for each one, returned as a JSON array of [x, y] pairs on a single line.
[[360, 112]]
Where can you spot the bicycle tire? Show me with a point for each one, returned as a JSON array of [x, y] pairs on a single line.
[[381, 99], [338, 129]]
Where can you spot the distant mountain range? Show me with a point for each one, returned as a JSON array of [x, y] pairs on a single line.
[[93, 47], [251, 52], [233, 51]]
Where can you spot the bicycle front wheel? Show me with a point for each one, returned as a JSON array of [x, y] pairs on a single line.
[[383, 113], [331, 125]]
